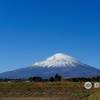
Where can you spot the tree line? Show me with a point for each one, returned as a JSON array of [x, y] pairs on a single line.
[[56, 78]]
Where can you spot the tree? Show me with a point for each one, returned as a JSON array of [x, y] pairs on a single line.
[[51, 79], [57, 78], [35, 79], [63, 79]]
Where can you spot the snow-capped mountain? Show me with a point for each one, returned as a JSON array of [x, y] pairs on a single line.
[[58, 60], [59, 63]]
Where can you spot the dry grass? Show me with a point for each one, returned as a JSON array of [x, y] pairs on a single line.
[[45, 91], [32, 98]]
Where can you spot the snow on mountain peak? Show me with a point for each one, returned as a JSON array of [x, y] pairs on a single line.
[[57, 60]]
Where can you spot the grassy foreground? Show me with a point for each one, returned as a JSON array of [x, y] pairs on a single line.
[[54, 90], [95, 96]]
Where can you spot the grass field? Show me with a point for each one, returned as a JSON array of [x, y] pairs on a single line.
[[47, 91], [95, 96], [32, 98]]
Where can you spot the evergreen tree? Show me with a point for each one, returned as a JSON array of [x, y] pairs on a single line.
[[35, 79], [51, 79], [57, 78]]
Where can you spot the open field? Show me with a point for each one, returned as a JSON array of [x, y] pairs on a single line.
[[47, 91], [95, 96], [32, 98]]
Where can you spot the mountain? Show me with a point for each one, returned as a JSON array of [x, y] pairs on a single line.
[[59, 63]]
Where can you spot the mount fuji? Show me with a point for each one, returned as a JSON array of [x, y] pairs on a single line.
[[59, 63]]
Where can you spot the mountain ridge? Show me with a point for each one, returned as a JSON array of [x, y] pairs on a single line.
[[59, 59], [59, 63]]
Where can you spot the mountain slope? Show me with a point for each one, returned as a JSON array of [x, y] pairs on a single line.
[[59, 63], [57, 60]]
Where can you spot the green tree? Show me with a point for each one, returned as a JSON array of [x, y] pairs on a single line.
[[51, 79], [57, 78], [35, 79]]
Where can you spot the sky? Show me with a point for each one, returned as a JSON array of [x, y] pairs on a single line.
[[32, 30]]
